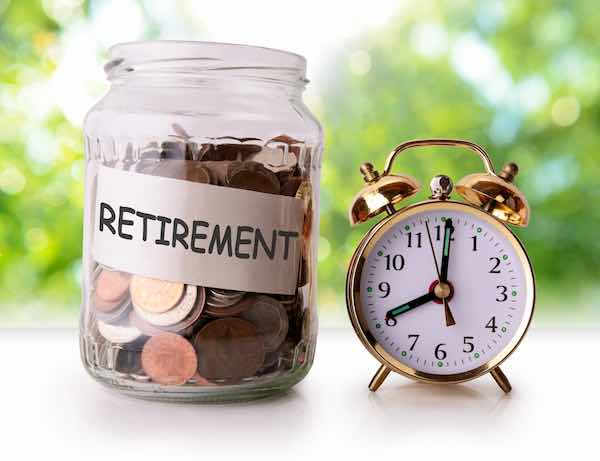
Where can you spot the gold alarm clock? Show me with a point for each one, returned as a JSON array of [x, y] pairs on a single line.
[[441, 291]]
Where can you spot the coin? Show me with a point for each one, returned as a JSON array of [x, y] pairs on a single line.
[[294, 145], [275, 160], [180, 131], [227, 308], [153, 295], [229, 349], [175, 150], [115, 315], [252, 176], [289, 352], [118, 334], [290, 186], [217, 172], [182, 169], [110, 289], [223, 298], [129, 361], [304, 193], [270, 364], [179, 312], [270, 319], [183, 327], [169, 359], [233, 151]]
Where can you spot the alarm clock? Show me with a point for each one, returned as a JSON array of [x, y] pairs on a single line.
[[441, 291]]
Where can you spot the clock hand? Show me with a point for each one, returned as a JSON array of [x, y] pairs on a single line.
[[448, 229], [442, 286], [432, 251], [448, 313], [390, 316]]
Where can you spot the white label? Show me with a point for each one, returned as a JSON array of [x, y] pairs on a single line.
[[198, 234]]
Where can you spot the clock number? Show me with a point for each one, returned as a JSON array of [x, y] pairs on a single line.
[[438, 233], [385, 288], [495, 270], [502, 296], [410, 239], [468, 344], [492, 325], [416, 338], [474, 242], [396, 262], [440, 353], [391, 321]]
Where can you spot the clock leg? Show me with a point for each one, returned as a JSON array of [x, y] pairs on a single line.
[[501, 379], [379, 378]]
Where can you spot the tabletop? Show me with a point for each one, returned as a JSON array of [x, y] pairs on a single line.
[[51, 408]]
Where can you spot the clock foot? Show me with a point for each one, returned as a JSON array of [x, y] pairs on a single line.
[[501, 379], [379, 378]]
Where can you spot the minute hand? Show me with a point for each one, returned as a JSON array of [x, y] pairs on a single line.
[[448, 229], [396, 311]]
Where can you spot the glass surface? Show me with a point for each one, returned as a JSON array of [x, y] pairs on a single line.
[[232, 117]]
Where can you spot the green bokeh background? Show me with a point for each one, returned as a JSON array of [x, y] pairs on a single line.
[[519, 77]]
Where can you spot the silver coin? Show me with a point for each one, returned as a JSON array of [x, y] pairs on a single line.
[[270, 319], [184, 328], [139, 378], [115, 316], [118, 334], [216, 297], [275, 160], [174, 315]]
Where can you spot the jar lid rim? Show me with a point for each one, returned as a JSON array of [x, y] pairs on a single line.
[[228, 54]]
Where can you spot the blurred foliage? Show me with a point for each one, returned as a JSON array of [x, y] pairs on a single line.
[[520, 77]]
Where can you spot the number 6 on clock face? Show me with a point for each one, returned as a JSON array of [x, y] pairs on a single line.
[[486, 299]]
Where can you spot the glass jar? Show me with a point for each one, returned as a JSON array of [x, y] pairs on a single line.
[[201, 223]]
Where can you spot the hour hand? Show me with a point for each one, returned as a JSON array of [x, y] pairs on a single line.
[[390, 316]]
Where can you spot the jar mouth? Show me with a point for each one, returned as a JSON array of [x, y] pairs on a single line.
[[162, 57]]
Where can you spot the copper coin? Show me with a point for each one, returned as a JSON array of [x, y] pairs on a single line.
[[232, 151], [182, 169], [285, 139], [295, 146], [169, 359], [153, 295], [291, 185], [229, 349], [253, 176], [111, 288], [304, 193], [270, 319]]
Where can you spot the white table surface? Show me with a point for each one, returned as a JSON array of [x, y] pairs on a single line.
[[51, 409]]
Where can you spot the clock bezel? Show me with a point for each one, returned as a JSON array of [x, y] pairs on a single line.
[[354, 305]]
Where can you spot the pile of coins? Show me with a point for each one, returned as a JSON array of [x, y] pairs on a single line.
[[172, 333], [233, 162]]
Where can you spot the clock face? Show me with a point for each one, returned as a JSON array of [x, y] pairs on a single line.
[[457, 313]]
